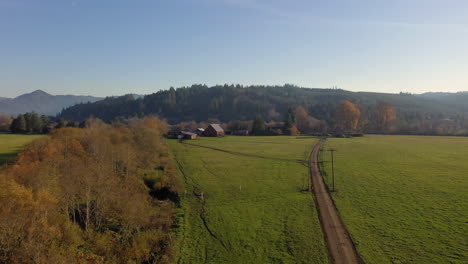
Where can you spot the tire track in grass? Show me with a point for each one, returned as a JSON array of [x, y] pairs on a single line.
[[212, 234], [245, 154], [194, 187], [197, 192]]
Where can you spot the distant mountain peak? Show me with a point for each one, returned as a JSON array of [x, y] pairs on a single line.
[[36, 93], [39, 92], [41, 102]]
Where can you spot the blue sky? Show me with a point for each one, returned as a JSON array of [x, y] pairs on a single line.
[[101, 47]]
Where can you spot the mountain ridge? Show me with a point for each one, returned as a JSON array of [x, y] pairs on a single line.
[[41, 102]]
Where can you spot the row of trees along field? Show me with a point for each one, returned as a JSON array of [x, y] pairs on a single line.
[[298, 121], [348, 117], [351, 120], [94, 195], [383, 118], [5, 122], [30, 123]]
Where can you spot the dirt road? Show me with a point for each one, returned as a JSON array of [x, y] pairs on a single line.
[[339, 244]]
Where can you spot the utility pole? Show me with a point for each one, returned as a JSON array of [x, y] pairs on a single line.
[[333, 168]]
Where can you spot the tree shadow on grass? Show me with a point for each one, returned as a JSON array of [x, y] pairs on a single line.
[[308, 137], [7, 157]]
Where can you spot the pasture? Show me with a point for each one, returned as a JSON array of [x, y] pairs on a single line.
[[404, 199], [10, 144], [250, 208]]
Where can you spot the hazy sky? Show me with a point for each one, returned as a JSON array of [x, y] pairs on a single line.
[[102, 47]]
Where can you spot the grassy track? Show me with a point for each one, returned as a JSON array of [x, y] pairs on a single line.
[[253, 210], [10, 144], [404, 199]]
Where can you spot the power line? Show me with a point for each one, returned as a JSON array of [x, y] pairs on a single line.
[[333, 166]]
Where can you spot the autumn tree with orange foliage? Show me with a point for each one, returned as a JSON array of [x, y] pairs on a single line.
[[307, 124], [5, 122], [347, 117], [385, 114], [83, 196], [295, 131]]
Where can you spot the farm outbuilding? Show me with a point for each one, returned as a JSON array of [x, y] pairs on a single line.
[[199, 131], [338, 132], [188, 135], [240, 132], [213, 130], [274, 128], [174, 133]]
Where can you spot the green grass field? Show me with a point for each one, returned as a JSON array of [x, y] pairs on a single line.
[[404, 199], [254, 210], [10, 144]]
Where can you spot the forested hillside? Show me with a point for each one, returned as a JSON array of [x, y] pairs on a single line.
[[235, 102]]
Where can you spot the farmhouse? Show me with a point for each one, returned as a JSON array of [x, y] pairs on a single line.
[[213, 130]]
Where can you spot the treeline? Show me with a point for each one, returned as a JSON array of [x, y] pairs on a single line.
[[297, 121], [413, 114], [349, 120], [101, 194], [5, 122], [32, 123]]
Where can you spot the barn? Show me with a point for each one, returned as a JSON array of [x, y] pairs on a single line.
[[213, 130]]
